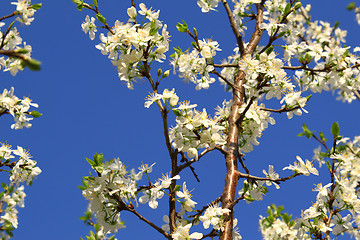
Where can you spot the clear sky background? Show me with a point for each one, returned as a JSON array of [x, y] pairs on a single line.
[[87, 109]]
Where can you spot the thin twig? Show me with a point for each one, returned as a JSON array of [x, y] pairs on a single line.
[[166, 235], [9, 16], [190, 162]]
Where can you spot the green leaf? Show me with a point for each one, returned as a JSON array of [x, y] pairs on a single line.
[[99, 169], [335, 130], [96, 3], [36, 6], [101, 18], [287, 9], [286, 217], [77, 2], [307, 132], [182, 27], [281, 34], [177, 188], [35, 114], [22, 51], [351, 6], [177, 112], [269, 50], [328, 165], [32, 64], [98, 158], [4, 186], [92, 163], [336, 25]]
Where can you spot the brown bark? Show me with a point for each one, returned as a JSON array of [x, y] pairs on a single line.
[[231, 178]]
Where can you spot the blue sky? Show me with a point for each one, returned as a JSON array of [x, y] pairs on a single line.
[[87, 109]]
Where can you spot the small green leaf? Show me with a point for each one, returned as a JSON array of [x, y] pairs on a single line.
[[32, 64], [177, 112], [336, 25], [307, 132], [281, 34], [182, 27], [335, 130], [36, 6], [92, 163], [96, 3], [286, 217], [101, 18], [351, 6], [99, 169], [98, 158], [35, 114], [77, 2], [287, 9], [177, 188], [4, 186], [328, 165], [22, 51], [269, 50]]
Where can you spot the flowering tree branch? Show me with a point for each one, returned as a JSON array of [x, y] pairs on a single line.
[[238, 36]]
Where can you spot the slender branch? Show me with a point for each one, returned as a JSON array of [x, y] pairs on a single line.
[[96, 10], [224, 78], [199, 212], [166, 235], [322, 142], [226, 65], [211, 234], [281, 110], [278, 180], [14, 54], [325, 69], [241, 160], [274, 36], [184, 159], [196, 159], [357, 94], [8, 16], [171, 151], [234, 28]]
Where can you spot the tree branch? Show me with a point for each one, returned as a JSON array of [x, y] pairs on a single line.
[[166, 235], [238, 36], [231, 178]]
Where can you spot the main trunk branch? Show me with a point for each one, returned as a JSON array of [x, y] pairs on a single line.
[[231, 178]]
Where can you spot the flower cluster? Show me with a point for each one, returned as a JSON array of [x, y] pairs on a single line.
[[168, 97], [12, 42], [195, 66], [337, 206], [104, 192], [207, 5], [321, 44], [129, 44], [303, 168], [255, 122], [195, 130], [253, 191], [214, 216], [23, 169], [18, 108], [25, 11]]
